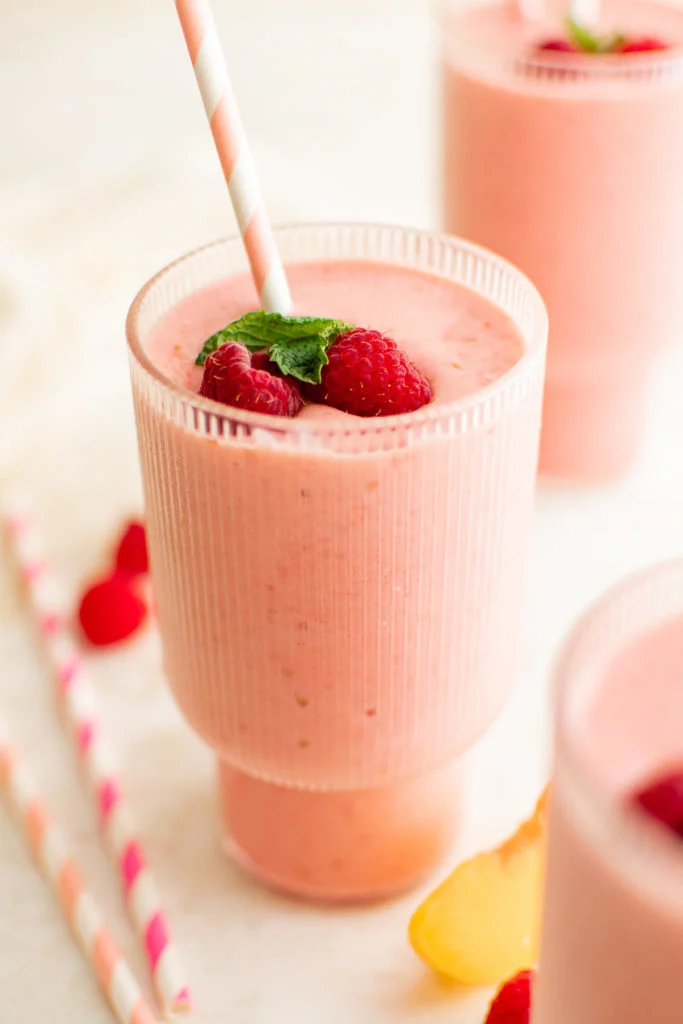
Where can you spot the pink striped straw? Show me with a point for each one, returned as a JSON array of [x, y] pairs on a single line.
[[235, 156], [78, 704], [77, 905]]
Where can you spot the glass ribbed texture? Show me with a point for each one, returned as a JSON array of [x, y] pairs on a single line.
[[666, 69], [340, 607]]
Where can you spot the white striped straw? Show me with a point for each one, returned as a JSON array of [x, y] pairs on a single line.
[[78, 705], [235, 156], [77, 905]]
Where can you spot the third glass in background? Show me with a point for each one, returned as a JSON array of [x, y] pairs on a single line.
[[612, 941], [571, 166]]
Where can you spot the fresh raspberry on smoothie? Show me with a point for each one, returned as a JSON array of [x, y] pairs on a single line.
[[579, 39], [260, 362]]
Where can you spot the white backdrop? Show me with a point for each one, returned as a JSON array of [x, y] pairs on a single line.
[[107, 172]]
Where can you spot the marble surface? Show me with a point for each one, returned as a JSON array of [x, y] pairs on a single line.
[[107, 173]]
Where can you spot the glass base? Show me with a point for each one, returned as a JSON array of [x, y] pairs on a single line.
[[592, 431], [350, 846]]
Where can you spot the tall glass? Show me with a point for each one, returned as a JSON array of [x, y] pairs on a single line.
[[612, 941], [340, 605], [570, 166]]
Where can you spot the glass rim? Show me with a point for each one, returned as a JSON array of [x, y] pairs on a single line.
[[430, 414], [617, 67], [566, 68], [644, 841]]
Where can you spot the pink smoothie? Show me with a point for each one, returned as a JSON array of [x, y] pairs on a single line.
[[327, 599], [575, 178], [458, 339], [345, 845], [339, 598], [613, 931]]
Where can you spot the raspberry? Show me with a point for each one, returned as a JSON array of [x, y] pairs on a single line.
[[231, 377], [512, 1004], [261, 361], [642, 44], [131, 553], [663, 800], [368, 375], [558, 45], [111, 611]]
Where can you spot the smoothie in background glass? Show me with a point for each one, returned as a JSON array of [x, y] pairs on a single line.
[[339, 598], [612, 940], [570, 166]]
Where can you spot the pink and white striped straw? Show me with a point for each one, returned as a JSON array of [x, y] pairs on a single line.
[[234, 153], [78, 906], [78, 706]]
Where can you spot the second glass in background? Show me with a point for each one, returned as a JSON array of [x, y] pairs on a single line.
[[570, 166]]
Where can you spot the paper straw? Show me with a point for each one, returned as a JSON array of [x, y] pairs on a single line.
[[77, 905], [222, 111], [78, 705]]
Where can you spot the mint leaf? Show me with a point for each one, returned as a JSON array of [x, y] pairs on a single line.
[[586, 42], [582, 38], [301, 359], [297, 344]]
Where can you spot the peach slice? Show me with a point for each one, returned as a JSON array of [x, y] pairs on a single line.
[[482, 923]]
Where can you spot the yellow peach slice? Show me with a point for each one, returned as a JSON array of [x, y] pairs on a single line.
[[482, 923]]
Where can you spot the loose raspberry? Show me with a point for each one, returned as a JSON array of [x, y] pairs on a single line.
[[663, 800], [111, 610], [642, 44], [231, 377], [131, 553], [512, 1004], [368, 375], [558, 45]]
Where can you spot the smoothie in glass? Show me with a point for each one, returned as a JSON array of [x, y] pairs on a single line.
[[612, 942], [569, 165], [339, 598]]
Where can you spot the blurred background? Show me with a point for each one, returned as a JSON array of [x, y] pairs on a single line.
[[107, 173]]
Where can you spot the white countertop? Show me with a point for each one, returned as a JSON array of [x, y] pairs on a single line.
[[107, 173]]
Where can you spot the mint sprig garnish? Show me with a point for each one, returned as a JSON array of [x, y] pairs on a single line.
[[297, 344], [582, 38], [587, 42]]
